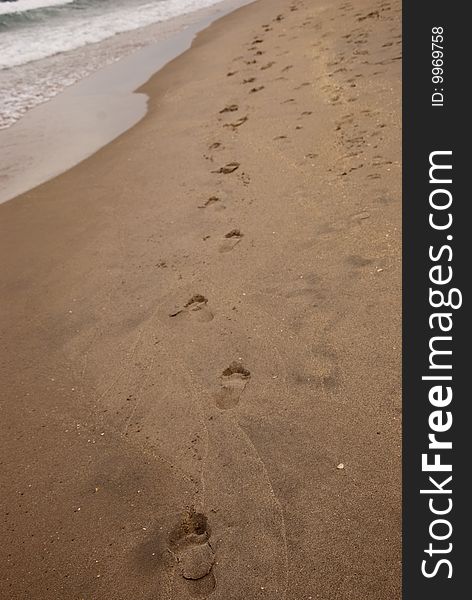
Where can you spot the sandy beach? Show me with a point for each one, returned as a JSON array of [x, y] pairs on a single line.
[[201, 329]]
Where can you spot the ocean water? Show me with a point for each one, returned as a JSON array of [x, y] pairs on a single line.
[[47, 45]]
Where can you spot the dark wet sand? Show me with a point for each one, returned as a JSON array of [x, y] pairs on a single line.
[[201, 323]]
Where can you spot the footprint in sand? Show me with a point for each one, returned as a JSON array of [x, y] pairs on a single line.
[[228, 168], [211, 200], [237, 123], [196, 307], [232, 238], [357, 261], [233, 381], [256, 89], [229, 108], [189, 543]]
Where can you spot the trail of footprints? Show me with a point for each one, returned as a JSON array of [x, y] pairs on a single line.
[[190, 541], [235, 377], [345, 67]]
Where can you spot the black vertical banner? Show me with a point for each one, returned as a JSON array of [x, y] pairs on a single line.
[[437, 259]]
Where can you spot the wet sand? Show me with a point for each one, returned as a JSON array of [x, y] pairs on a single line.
[[201, 329]]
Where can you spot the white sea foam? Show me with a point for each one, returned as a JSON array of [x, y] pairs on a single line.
[[21, 45], [25, 5]]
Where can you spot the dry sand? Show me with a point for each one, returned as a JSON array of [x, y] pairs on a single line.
[[189, 354]]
